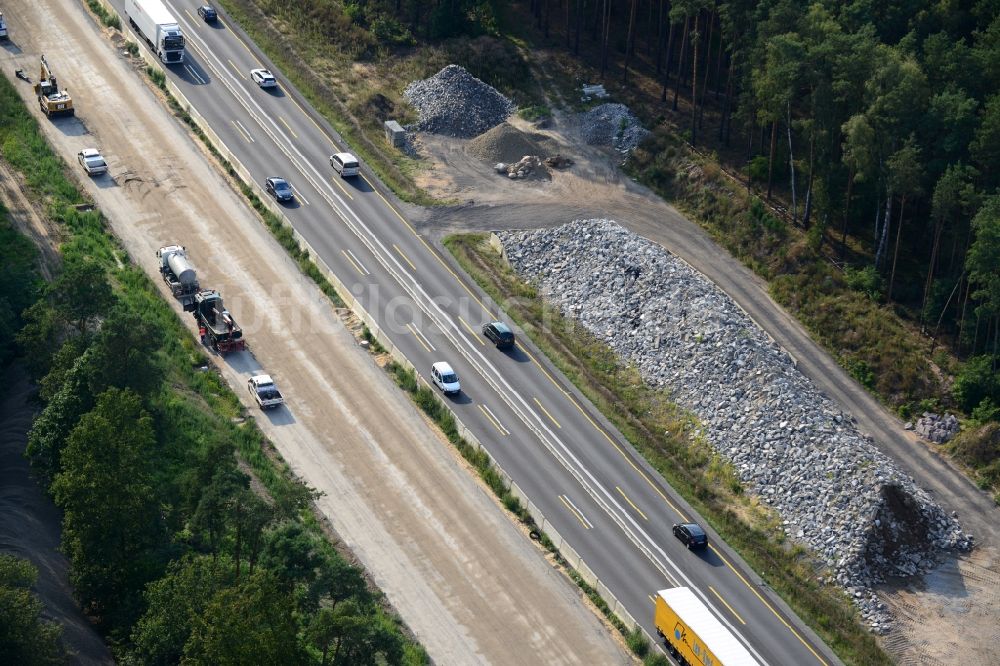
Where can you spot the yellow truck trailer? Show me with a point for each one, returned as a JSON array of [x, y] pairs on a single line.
[[693, 635]]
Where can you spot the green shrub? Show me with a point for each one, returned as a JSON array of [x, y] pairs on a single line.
[[977, 381], [865, 280], [637, 642]]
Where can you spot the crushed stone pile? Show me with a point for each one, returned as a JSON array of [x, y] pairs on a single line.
[[455, 103], [505, 143], [792, 446], [936, 428], [612, 125]]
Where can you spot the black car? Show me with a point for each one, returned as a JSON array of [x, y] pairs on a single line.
[[279, 189], [208, 13], [499, 334], [692, 535]]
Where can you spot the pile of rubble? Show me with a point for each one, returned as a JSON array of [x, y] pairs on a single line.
[[936, 428], [612, 125], [791, 445], [527, 166], [455, 103]]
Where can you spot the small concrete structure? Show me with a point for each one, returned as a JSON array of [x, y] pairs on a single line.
[[394, 133]]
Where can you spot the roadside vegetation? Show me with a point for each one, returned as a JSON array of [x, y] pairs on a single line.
[[846, 153], [669, 438], [25, 638], [188, 538]]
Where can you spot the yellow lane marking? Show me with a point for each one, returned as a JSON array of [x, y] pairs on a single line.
[[285, 123], [544, 371], [631, 503], [236, 69], [336, 181], [542, 407], [259, 64], [489, 417], [767, 605], [310, 118], [471, 332], [625, 456], [737, 615], [239, 128], [405, 258], [357, 267], [190, 16], [414, 332], [575, 512]]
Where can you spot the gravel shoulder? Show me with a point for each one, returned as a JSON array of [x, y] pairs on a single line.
[[958, 606], [462, 576]]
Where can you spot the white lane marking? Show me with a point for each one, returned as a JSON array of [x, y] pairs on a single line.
[[496, 419], [355, 259], [530, 417]]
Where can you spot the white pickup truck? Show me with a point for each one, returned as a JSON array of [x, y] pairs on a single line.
[[264, 391]]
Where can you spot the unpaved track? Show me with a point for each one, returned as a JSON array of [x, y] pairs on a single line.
[[29, 523], [958, 604], [467, 582]]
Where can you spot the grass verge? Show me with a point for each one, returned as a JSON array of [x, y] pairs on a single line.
[[670, 440]]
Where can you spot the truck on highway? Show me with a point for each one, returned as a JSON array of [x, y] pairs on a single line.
[[693, 635], [264, 391], [216, 325], [179, 274], [155, 24]]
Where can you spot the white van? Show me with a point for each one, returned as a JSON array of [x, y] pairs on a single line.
[[345, 164]]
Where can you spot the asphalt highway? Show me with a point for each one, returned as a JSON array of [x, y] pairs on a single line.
[[600, 496]]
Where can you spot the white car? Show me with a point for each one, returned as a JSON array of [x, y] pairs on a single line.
[[345, 164], [263, 78], [445, 378], [92, 162]]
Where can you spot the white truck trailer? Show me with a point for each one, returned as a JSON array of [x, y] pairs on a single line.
[[693, 635], [154, 23]]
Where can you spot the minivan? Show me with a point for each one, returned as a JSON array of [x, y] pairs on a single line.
[[345, 164], [445, 378], [499, 334]]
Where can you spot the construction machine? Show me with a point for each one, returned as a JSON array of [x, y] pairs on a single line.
[[53, 102], [216, 325]]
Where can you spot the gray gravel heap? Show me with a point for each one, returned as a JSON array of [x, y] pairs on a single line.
[[936, 428], [612, 125], [790, 444], [455, 103]]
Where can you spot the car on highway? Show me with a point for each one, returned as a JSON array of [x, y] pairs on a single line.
[[208, 13], [499, 334], [445, 378], [263, 78], [279, 189], [692, 535], [345, 164], [91, 161]]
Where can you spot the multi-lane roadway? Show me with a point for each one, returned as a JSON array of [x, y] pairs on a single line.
[[600, 496]]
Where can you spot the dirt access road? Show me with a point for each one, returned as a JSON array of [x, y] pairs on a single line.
[[948, 617], [468, 583]]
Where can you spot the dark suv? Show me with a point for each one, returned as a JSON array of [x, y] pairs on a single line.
[[692, 535], [499, 334], [207, 13]]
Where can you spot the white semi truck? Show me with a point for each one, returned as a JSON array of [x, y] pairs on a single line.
[[154, 23]]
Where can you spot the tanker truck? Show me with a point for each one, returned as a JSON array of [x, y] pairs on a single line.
[[155, 24], [179, 274]]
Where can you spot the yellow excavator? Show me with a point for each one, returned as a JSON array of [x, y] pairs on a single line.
[[53, 102]]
